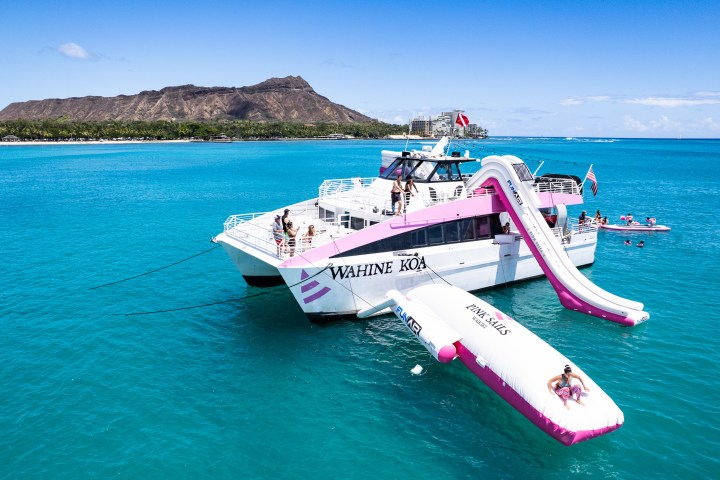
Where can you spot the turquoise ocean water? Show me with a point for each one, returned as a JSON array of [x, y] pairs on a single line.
[[225, 381]]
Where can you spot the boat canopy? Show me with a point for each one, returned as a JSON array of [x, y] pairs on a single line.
[[426, 170]]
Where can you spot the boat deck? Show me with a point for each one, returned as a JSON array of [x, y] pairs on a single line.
[[363, 202]]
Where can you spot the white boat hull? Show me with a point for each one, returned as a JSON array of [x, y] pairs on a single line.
[[343, 286], [257, 267]]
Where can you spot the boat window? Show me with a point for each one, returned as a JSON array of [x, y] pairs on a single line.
[[446, 172], [452, 233], [401, 166], [418, 238], [327, 216], [483, 228], [523, 172], [357, 223], [393, 170], [463, 230], [467, 229], [435, 234]]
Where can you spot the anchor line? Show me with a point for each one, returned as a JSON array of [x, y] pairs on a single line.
[[153, 271]]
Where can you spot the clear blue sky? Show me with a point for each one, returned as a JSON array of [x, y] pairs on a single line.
[[533, 68]]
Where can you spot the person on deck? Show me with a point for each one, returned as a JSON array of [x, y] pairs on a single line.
[[396, 195], [292, 234], [409, 186], [278, 235], [285, 220], [308, 237]]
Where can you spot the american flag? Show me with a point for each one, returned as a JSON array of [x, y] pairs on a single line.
[[593, 181]]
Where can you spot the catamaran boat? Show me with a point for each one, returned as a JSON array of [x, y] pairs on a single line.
[[496, 226]]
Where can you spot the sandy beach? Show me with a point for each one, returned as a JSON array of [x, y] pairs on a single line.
[[88, 142]]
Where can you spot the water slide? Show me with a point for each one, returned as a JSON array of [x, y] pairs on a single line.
[[514, 362], [574, 290]]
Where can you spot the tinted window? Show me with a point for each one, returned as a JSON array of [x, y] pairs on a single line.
[[452, 234], [483, 227], [418, 238], [523, 172], [464, 230], [467, 229], [435, 234]]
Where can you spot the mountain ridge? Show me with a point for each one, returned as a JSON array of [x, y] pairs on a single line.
[[276, 99]]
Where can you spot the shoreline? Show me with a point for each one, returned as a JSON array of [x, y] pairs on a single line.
[[124, 142], [85, 142]]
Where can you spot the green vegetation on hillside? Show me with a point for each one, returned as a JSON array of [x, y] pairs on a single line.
[[62, 129]]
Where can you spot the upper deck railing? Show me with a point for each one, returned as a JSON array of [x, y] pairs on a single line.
[[343, 185], [347, 185], [258, 233], [559, 185]]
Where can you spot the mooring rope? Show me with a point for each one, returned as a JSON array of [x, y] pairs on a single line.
[[153, 271]]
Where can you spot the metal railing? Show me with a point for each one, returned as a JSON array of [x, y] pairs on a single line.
[[248, 229], [557, 186], [258, 233], [343, 185]]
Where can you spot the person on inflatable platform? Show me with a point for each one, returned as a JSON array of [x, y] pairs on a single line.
[[561, 385]]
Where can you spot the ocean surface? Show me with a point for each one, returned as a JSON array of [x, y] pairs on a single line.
[[131, 348]]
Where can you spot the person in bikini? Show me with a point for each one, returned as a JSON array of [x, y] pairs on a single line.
[[561, 385], [308, 237], [292, 234], [409, 187]]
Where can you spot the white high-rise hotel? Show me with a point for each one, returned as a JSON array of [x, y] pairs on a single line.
[[443, 124]]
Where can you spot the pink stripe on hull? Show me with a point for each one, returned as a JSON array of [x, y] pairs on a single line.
[[492, 380], [567, 298]]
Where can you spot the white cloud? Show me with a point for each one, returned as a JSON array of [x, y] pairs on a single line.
[[634, 125], [696, 99], [708, 124], [73, 50], [571, 101], [673, 102]]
